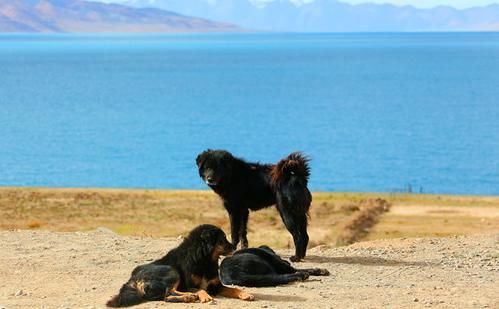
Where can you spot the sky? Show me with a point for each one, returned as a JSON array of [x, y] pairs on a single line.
[[461, 4], [431, 3]]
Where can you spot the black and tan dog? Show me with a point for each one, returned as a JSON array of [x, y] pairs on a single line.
[[187, 273], [244, 186], [258, 267]]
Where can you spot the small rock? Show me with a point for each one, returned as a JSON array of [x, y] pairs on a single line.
[[415, 300], [105, 230], [20, 293]]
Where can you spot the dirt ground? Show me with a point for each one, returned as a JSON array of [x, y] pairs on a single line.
[[42, 269]]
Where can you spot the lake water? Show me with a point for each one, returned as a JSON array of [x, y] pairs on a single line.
[[375, 112]]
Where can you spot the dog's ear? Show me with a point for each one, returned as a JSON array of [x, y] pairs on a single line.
[[202, 157], [208, 235], [228, 159], [208, 239]]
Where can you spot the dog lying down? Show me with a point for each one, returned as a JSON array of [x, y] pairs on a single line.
[[259, 267], [188, 273]]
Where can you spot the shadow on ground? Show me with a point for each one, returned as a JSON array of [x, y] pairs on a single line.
[[363, 260]]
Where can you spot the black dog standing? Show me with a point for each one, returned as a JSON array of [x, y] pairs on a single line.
[[244, 186]]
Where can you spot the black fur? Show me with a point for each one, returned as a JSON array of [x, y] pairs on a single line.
[[257, 267], [244, 186], [192, 266]]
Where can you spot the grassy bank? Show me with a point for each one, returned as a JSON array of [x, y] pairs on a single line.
[[175, 212]]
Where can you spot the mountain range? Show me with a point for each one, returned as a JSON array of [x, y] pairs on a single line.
[[84, 16], [331, 15], [223, 15]]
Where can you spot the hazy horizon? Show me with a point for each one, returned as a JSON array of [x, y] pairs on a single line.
[[458, 4], [337, 16]]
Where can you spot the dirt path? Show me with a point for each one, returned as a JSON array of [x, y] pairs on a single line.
[[82, 270]]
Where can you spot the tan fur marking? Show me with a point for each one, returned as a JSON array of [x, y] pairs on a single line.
[[204, 297], [196, 280], [215, 281], [174, 288], [139, 286], [217, 252], [185, 298], [236, 293], [199, 282]]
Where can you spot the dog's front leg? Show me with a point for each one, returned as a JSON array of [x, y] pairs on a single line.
[[236, 293], [243, 229], [203, 296], [235, 226]]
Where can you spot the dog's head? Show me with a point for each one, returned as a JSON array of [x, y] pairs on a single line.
[[215, 166], [210, 241]]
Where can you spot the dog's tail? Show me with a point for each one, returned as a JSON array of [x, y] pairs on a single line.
[[295, 166], [290, 179], [128, 296]]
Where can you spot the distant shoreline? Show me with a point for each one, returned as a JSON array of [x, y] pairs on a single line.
[[363, 194], [243, 31]]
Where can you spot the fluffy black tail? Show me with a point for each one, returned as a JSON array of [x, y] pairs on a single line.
[[293, 167], [128, 296], [293, 199]]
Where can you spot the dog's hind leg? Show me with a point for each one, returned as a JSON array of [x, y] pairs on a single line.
[[184, 298], [315, 271], [244, 279], [174, 296], [296, 223]]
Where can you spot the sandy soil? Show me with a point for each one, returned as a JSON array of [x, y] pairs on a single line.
[[41, 269]]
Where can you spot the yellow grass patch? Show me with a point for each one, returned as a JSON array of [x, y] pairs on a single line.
[[175, 212]]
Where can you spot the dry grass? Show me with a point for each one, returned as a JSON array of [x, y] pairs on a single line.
[[424, 220], [174, 212]]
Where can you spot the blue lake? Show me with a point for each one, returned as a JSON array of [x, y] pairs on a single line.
[[375, 112]]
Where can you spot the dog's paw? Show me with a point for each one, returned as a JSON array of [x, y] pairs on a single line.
[[294, 258], [190, 298], [323, 272], [303, 275], [246, 296], [203, 296]]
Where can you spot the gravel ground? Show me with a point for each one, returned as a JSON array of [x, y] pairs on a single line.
[[41, 269]]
